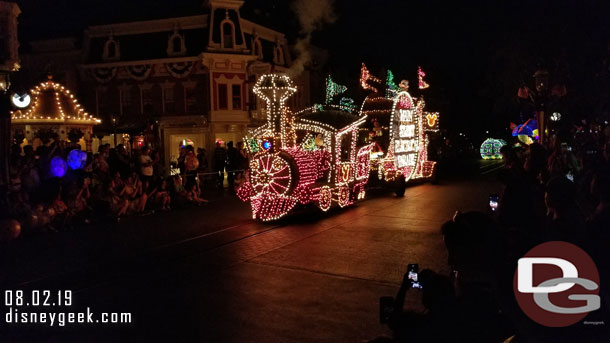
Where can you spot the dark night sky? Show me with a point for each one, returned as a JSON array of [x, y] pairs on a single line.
[[475, 52]]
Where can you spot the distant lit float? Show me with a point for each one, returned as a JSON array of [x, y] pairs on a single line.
[[490, 149]]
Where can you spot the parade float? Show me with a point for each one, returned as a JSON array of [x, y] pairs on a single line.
[[399, 129], [526, 132], [310, 158], [324, 155], [490, 149]]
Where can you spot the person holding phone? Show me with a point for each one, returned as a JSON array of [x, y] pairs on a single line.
[[437, 322]]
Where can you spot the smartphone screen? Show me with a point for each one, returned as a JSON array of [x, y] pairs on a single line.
[[493, 201], [412, 270]]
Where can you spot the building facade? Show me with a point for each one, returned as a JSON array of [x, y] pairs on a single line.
[[173, 81]]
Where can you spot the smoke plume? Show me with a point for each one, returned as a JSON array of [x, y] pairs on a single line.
[[312, 14]]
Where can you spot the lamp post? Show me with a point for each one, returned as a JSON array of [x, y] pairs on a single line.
[[541, 79], [5, 137], [9, 62]]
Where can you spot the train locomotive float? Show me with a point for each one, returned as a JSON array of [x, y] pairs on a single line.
[[311, 158], [324, 155]]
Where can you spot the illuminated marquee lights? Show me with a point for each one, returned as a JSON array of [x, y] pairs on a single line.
[[407, 155], [404, 133]]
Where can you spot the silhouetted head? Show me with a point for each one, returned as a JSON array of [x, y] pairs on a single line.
[[28, 150], [600, 187], [437, 289], [472, 241], [560, 194], [535, 161]]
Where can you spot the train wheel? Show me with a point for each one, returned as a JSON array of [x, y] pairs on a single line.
[[343, 196], [325, 198], [270, 173]]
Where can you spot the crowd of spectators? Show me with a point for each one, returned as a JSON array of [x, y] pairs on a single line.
[[110, 184], [556, 193]]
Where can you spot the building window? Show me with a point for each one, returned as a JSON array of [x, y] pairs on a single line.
[[147, 101], [175, 44], [222, 97], [236, 95], [111, 49], [101, 101], [278, 55], [257, 48], [125, 94], [168, 100], [252, 104], [190, 100], [227, 33], [126, 98]]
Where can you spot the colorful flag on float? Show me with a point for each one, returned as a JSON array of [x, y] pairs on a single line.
[[365, 77], [420, 75], [333, 89]]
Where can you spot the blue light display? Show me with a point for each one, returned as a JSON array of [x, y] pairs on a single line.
[[77, 159], [58, 167]]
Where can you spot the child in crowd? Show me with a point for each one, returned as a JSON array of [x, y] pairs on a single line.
[[160, 198], [193, 194]]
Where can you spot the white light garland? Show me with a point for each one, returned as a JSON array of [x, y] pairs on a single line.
[[32, 114]]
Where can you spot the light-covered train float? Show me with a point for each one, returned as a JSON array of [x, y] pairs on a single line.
[[325, 155]]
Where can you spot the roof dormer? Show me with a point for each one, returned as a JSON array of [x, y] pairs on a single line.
[[175, 44], [257, 46], [278, 53], [225, 28], [112, 51]]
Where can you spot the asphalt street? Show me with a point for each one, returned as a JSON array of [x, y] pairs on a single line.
[[211, 274]]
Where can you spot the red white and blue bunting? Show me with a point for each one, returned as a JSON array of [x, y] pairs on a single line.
[[103, 75], [139, 72], [180, 70]]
